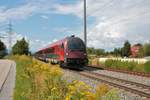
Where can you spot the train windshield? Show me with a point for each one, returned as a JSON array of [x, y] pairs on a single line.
[[75, 44]]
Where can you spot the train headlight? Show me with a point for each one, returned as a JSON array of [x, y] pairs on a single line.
[[85, 54], [67, 54]]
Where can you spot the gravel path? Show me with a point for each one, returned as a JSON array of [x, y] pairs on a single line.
[[7, 90], [124, 95]]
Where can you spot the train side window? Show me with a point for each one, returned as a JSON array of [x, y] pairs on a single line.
[[50, 50]]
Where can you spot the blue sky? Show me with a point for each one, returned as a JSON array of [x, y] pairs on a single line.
[[110, 22]]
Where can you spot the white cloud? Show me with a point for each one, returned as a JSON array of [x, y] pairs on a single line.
[[54, 40], [38, 44], [75, 9], [116, 21], [16, 13], [24, 11], [44, 17]]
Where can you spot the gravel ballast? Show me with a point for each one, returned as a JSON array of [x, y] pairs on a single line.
[[133, 78], [124, 95]]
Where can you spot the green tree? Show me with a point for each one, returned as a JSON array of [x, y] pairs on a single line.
[[2, 49], [117, 51], [90, 50], [126, 50], [141, 51], [146, 48], [99, 52], [21, 47]]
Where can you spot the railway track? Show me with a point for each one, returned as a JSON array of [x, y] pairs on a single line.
[[133, 87], [142, 74]]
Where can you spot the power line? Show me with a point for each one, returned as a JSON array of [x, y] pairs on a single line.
[[103, 7], [2, 37], [2, 27]]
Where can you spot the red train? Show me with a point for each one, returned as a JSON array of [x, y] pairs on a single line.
[[69, 51]]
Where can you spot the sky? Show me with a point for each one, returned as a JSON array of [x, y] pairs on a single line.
[[109, 22]]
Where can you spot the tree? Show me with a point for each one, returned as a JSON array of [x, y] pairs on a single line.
[[90, 50], [3, 51], [141, 52], [99, 52], [21, 47], [126, 50], [117, 51], [94, 51], [146, 48]]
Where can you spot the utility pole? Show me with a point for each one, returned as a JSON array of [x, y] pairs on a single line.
[[85, 24], [10, 35]]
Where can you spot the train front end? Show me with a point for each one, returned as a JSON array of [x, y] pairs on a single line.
[[75, 53]]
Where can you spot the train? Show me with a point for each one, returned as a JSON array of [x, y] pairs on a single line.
[[66, 52]]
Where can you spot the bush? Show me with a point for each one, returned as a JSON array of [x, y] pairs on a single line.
[[131, 65], [108, 63], [147, 66]]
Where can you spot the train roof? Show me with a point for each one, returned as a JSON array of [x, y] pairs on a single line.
[[57, 43], [53, 44]]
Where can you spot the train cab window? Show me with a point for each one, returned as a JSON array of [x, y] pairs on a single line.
[[76, 44], [62, 45]]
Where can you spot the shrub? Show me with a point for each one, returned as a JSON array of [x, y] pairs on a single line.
[[131, 65], [108, 63], [147, 66]]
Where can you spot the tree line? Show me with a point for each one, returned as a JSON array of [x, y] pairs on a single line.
[[124, 51]]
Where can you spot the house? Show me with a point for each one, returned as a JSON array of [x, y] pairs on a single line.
[[135, 49]]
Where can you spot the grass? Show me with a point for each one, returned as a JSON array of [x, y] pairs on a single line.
[[36, 80], [147, 66], [123, 65], [23, 83]]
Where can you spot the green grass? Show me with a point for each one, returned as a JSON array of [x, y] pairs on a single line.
[[147, 66], [23, 83]]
